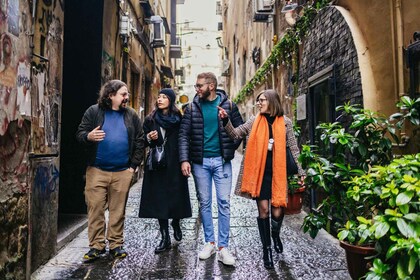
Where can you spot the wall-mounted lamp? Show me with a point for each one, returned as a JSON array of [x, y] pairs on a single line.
[[291, 12], [219, 42]]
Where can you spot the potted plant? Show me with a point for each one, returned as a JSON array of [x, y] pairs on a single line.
[[343, 155], [390, 195], [295, 194]]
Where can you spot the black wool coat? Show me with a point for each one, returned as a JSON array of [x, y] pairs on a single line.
[[164, 194]]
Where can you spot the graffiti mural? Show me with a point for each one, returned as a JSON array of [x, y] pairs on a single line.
[[44, 208]]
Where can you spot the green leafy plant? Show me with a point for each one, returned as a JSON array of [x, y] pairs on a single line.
[[371, 198], [340, 154], [392, 195], [293, 184]]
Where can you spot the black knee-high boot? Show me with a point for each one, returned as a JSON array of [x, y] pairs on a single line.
[[264, 229], [165, 242], [275, 233], [177, 229]]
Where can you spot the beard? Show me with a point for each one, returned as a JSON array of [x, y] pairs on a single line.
[[205, 94], [123, 104]]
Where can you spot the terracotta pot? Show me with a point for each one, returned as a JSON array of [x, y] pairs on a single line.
[[357, 265], [295, 200]]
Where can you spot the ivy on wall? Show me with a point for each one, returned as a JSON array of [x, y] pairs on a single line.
[[284, 52]]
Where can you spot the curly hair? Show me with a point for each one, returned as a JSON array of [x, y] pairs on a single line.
[[110, 88]]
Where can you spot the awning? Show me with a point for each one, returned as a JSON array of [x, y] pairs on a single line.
[[167, 71]]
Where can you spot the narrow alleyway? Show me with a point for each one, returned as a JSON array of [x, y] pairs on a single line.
[[303, 258]]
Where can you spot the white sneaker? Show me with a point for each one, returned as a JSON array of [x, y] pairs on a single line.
[[225, 257], [208, 250]]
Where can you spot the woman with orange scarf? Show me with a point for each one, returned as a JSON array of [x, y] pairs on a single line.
[[263, 174]]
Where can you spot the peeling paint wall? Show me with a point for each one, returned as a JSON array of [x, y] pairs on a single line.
[[29, 120]]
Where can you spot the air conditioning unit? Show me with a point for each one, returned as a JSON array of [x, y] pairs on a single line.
[[263, 10], [264, 5], [124, 25], [157, 35]]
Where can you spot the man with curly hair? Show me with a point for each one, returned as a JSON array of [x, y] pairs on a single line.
[[113, 136]]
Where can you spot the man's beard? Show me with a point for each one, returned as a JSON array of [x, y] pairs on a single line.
[[123, 104], [205, 94]]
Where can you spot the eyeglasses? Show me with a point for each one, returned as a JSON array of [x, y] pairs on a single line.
[[261, 100], [197, 86]]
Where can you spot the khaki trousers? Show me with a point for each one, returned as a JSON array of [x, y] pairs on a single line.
[[105, 188]]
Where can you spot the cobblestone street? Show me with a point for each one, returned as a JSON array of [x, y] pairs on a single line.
[[303, 258]]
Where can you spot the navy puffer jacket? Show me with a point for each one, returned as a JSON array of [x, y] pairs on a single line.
[[191, 133]]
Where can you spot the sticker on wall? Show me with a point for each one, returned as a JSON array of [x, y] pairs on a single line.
[[23, 82]]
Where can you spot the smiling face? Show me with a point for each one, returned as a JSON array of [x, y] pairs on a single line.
[[262, 104], [163, 102], [120, 99]]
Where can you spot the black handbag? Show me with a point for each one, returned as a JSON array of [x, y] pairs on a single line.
[[292, 168], [156, 159]]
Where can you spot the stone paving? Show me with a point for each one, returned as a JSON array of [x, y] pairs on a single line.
[[303, 257]]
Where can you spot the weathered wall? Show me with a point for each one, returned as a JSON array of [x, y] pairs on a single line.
[[30, 110], [243, 37], [15, 112]]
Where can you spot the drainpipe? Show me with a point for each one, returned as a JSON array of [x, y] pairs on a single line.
[[399, 71], [400, 46]]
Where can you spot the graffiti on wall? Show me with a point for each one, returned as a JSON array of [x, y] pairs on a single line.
[[44, 208], [46, 176]]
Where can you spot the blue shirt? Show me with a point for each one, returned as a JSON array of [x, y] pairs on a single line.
[[112, 153], [211, 146]]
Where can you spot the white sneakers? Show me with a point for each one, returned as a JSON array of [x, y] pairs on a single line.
[[208, 250], [223, 255]]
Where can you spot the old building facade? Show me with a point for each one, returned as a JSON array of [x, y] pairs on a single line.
[[321, 54]]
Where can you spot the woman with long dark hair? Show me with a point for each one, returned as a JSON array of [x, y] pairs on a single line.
[[263, 174], [165, 191]]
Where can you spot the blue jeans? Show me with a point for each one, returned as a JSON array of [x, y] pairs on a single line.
[[221, 173]]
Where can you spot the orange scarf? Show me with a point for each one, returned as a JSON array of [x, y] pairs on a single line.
[[256, 155]]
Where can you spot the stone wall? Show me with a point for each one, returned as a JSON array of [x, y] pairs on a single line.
[[329, 42]]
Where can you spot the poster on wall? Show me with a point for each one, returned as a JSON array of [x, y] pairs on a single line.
[[13, 18], [24, 88]]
